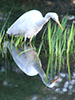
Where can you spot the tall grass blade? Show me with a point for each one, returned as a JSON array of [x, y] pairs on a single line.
[[49, 38], [17, 41], [56, 56], [70, 39], [50, 47], [41, 44], [11, 42], [68, 50], [5, 24], [68, 65], [1, 49]]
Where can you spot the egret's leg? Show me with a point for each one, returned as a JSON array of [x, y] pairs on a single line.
[[24, 42], [30, 42], [30, 45], [30, 39]]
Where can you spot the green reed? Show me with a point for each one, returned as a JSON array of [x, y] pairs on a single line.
[[50, 48], [3, 33], [71, 36], [42, 42], [60, 42], [51, 44]]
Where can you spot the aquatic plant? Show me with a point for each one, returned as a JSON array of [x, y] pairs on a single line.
[[59, 42]]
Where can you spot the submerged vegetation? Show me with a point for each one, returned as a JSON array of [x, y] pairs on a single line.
[[59, 45]]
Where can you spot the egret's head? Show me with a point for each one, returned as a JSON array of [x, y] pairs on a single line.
[[54, 16], [56, 19]]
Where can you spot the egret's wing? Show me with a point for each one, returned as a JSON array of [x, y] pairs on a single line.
[[25, 23]]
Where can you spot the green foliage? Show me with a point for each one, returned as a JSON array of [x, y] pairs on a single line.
[[71, 37], [60, 42]]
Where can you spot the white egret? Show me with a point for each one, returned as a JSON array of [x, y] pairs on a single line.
[[30, 23], [29, 62]]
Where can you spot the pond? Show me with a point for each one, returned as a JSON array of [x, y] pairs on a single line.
[[15, 84]]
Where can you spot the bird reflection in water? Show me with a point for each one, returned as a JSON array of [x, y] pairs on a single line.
[[29, 63]]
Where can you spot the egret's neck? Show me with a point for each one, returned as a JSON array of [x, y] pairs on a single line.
[[49, 15], [43, 76], [41, 23], [45, 19]]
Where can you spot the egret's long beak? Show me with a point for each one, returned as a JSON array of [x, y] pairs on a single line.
[[59, 24]]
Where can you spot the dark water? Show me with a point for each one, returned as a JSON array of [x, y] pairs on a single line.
[[18, 86], [14, 84]]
